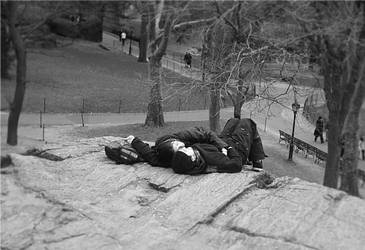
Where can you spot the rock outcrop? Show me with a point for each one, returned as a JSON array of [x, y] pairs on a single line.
[[86, 201]]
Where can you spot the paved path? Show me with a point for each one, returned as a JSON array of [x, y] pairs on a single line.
[[111, 41]]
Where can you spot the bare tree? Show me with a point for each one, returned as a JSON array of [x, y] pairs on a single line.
[[154, 110], [337, 36], [20, 53], [19, 32]]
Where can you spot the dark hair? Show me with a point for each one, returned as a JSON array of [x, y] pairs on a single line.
[[165, 151], [320, 117], [181, 163]]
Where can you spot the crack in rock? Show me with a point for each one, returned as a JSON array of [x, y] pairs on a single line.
[[43, 154], [281, 238], [161, 188], [50, 199], [210, 218], [63, 238]]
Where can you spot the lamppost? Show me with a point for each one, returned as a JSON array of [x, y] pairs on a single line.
[[295, 107]]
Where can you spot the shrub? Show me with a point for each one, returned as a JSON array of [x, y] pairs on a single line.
[[91, 29], [63, 27]]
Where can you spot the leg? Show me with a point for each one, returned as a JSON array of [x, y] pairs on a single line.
[[321, 136], [230, 126]]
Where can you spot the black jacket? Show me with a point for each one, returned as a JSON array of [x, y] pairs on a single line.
[[242, 135], [195, 135], [206, 142]]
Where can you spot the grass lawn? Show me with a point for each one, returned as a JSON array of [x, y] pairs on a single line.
[[65, 76], [145, 133]]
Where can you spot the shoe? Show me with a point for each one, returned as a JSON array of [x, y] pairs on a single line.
[[258, 164]]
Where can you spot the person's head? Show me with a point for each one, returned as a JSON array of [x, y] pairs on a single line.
[[167, 149], [320, 118], [361, 138], [187, 160], [183, 161]]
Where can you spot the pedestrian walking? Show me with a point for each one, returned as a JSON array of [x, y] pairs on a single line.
[[362, 148], [123, 37], [187, 59], [318, 132]]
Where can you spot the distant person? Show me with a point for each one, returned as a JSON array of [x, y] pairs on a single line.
[[187, 59], [362, 148], [318, 132], [123, 37]]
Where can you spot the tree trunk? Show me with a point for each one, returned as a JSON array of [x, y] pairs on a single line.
[[349, 180], [16, 105], [154, 110], [143, 40], [155, 116], [214, 109], [334, 148], [5, 50]]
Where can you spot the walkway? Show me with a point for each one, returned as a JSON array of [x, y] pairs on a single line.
[[111, 41]]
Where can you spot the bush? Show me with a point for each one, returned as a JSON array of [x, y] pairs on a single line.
[[91, 29], [63, 27]]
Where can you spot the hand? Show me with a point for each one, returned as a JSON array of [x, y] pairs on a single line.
[[224, 151], [129, 139]]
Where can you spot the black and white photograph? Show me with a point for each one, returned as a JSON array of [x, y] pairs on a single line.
[[182, 124]]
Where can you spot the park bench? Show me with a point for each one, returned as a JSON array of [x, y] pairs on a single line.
[[284, 137], [317, 154], [307, 149]]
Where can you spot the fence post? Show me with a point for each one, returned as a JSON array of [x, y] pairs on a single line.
[[82, 112], [44, 105], [120, 105], [265, 123], [179, 105], [43, 128], [40, 118]]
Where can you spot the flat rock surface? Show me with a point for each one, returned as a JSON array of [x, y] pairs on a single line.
[[85, 201]]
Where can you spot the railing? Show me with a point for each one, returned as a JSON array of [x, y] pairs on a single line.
[[307, 149]]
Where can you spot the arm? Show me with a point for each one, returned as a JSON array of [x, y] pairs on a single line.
[[233, 164], [146, 152], [200, 135]]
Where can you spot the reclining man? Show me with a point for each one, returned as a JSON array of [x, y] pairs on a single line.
[[198, 151]]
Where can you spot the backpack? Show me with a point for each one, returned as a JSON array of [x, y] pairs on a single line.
[[123, 154]]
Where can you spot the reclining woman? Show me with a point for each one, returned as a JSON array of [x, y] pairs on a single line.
[[198, 151]]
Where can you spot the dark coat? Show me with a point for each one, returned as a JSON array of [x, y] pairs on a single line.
[[188, 137], [213, 158], [206, 142], [320, 125], [242, 135], [239, 136]]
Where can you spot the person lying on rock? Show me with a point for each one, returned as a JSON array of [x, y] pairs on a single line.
[[198, 151]]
